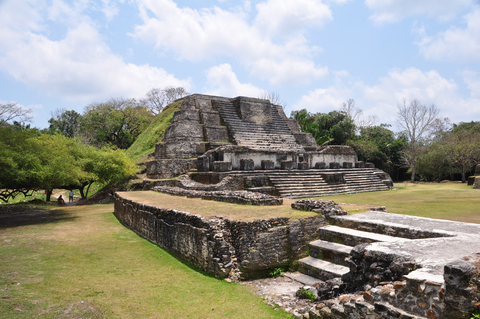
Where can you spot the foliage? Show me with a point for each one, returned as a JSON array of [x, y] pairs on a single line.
[[13, 111], [335, 127], [30, 160], [156, 98], [145, 143], [117, 122], [276, 272], [65, 122], [379, 145], [416, 119], [308, 294]]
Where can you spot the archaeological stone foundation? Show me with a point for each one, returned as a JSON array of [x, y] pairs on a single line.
[[369, 265]]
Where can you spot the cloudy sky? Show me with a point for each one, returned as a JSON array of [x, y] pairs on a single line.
[[314, 54]]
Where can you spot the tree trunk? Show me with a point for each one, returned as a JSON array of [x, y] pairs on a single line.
[[412, 179], [48, 194], [80, 189]]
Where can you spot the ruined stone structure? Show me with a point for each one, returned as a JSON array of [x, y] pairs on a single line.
[[371, 265], [254, 140]]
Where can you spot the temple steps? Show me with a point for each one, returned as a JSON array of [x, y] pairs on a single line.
[[274, 136]]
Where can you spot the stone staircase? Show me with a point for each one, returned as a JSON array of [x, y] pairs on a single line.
[[328, 254], [272, 136], [311, 183], [326, 261]]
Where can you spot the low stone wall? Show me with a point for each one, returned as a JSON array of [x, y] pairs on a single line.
[[324, 207], [220, 246], [236, 197]]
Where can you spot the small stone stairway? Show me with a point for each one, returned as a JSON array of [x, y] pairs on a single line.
[[310, 183], [274, 136], [328, 254]]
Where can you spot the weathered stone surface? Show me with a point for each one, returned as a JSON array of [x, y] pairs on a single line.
[[210, 118], [369, 165], [302, 166], [247, 165], [221, 166], [267, 165], [168, 168], [254, 110], [359, 164], [334, 165], [184, 131], [320, 165], [476, 182], [347, 164], [288, 165], [324, 207], [216, 134]]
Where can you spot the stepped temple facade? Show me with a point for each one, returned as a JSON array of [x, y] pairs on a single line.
[[254, 141]]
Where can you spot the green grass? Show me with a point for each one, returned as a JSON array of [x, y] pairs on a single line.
[[85, 264], [145, 143], [451, 201]]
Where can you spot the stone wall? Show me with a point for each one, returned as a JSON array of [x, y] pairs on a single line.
[[220, 246]]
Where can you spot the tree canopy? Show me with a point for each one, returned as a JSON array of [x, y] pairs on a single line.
[[31, 160]]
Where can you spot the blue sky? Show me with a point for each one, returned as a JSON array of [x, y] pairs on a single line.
[[314, 54]]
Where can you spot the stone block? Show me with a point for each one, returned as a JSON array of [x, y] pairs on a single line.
[[320, 165], [303, 165], [203, 164], [287, 165], [255, 181], [369, 165], [221, 166], [216, 133], [179, 150], [185, 131], [255, 110], [347, 164], [211, 118], [359, 164], [476, 183], [186, 116], [168, 168], [334, 165], [267, 164], [470, 180], [247, 165], [305, 139]]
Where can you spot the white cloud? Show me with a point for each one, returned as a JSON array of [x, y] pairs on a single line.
[[223, 81], [198, 35], [80, 66], [456, 43], [280, 17], [396, 10], [381, 100]]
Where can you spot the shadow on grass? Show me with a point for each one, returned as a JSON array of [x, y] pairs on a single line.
[[22, 215]]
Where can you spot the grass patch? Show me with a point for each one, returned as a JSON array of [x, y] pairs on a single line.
[[87, 265], [209, 208], [451, 201], [145, 143]]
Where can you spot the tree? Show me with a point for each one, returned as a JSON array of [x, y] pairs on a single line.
[[463, 150], [13, 111], [31, 160], [65, 122], [355, 113], [156, 99], [334, 127], [416, 119], [117, 122]]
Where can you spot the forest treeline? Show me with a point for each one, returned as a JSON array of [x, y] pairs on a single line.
[[77, 150]]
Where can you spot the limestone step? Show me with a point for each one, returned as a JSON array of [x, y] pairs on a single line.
[[329, 251], [352, 237], [321, 269], [302, 278]]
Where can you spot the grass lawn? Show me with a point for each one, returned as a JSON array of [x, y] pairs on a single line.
[[451, 201], [80, 262], [209, 208]]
